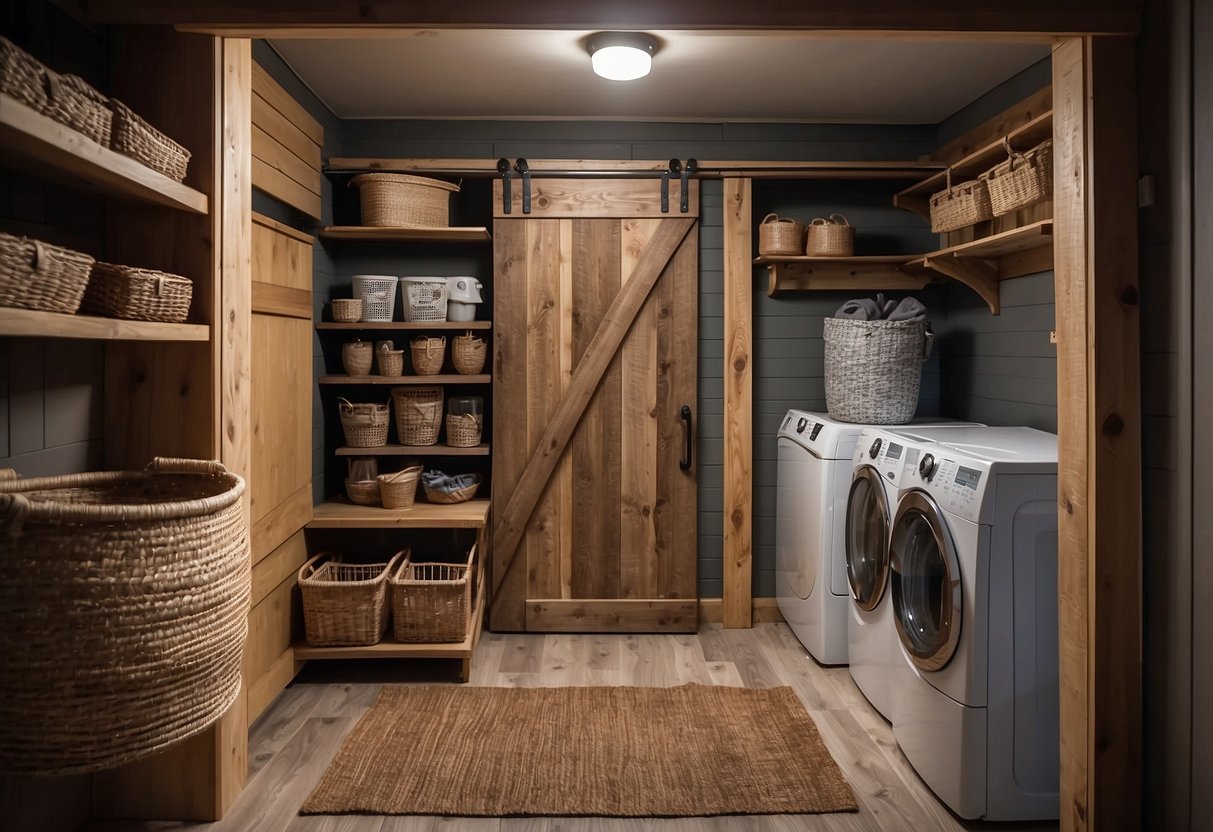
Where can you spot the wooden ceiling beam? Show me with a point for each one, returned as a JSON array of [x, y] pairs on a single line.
[[1040, 16]]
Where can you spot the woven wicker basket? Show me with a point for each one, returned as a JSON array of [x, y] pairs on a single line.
[[391, 363], [72, 101], [137, 294], [830, 237], [38, 275], [402, 201], [961, 205], [873, 369], [1022, 180], [357, 357], [461, 495], [431, 601], [468, 354], [22, 76], [780, 237], [362, 492], [418, 414], [137, 139], [399, 490], [365, 425], [347, 310], [344, 604], [463, 431], [124, 604], [428, 354]]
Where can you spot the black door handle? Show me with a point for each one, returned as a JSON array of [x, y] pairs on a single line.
[[685, 462]]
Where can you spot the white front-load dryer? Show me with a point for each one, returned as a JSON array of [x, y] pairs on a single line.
[[973, 580]]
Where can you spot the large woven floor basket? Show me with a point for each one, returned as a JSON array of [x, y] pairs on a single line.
[[873, 369], [124, 601]]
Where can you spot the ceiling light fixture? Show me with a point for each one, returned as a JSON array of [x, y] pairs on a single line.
[[621, 56]]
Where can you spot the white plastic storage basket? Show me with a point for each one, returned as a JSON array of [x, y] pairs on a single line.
[[874, 368], [424, 299], [378, 294]]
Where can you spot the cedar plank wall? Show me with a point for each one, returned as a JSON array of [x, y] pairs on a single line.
[[51, 389]]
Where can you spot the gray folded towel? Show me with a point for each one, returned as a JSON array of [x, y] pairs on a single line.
[[908, 310], [446, 484], [867, 309], [862, 309]]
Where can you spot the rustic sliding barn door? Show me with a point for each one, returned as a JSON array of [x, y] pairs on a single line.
[[594, 398]]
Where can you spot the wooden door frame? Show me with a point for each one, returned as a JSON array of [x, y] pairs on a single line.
[[1098, 330]]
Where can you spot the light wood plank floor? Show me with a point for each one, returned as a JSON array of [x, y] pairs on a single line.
[[293, 742]]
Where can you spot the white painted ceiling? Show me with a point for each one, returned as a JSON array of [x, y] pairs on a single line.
[[697, 76]]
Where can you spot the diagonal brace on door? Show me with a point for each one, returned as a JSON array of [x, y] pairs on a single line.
[[508, 531]]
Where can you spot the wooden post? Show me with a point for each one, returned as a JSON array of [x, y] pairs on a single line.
[[1099, 427], [738, 403]]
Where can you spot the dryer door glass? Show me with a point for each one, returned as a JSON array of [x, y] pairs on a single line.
[[926, 582], [867, 538]]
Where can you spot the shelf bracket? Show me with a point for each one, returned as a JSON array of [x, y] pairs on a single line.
[[975, 273]]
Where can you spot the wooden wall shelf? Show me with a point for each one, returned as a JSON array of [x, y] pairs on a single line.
[[371, 234], [385, 326], [472, 514], [442, 379], [917, 197], [66, 155], [416, 450], [29, 322], [885, 272]]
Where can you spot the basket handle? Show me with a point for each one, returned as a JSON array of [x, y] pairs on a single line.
[[819, 221], [176, 465], [7, 474], [345, 404], [396, 476], [1012, 153], [839, 219], [771, 218], [405, 557], [313, 565]]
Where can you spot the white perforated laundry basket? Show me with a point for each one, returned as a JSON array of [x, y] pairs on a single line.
[[378, 293], [424, 299]]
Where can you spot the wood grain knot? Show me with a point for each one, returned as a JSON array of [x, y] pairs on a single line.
[[1068, 506], [738, 517], [739, 363], [1128, 296], [184, 391], [1113, 425]]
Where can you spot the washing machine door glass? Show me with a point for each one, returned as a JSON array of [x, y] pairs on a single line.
[[867, 538], [925, 582]]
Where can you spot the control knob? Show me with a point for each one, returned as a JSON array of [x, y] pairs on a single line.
[[874, 451], [801, 425], [926, 466]]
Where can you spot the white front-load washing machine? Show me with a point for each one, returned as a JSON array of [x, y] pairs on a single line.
[[813, 476], [973, 556]]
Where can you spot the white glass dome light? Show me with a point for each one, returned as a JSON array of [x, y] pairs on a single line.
[[621, 56]]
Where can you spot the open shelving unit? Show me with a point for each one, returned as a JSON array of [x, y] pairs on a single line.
[[371, 234], [877, 273], [35, 324], [471, 514], [386, 326], [445, 378], [416, 450]]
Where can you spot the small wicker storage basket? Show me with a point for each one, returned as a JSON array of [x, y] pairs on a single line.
[[1022, 180], [424, 299], [830, 237], [403, 201], [365, 425], [137, 294], [461, 495], [124, 604], [22, 76], [780, 237], [873, 369], [38, 275], [72, 101], [463, 431], [363, 492], [418, 414], [468, 354], [958, 206], [137, 139], [357, 357], [344, 604], [428, 354], [399, 490], [391, 363], [347, 310], [431, 601]]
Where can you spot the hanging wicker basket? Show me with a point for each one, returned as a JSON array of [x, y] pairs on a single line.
[[124, 601], [418, 414], [830, 237], [1023, 179], [468, 354], [365, 425], [428, 354], [780, 236]]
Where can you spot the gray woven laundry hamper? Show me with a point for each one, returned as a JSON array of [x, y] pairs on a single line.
[[873, 369]]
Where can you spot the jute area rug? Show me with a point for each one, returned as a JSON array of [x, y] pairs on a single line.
[[687, 751]]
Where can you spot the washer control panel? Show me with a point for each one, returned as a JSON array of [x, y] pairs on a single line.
[[958, 488]]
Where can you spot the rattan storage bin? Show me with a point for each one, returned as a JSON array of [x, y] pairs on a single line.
[[418, 414], [68, 99], [344, 604], [463, 431], [365, 425], [428, 353], [357, 357], [431, 601], [38, 275], [347, 310], [399, 490], [873, 369], [134, 137], [363, 492], [391, 363], [780, 237], [958, 206], [1022, 180], [402, 201], [22, 76], [468, 354], [830, 236], [124, 604], [137, 294]]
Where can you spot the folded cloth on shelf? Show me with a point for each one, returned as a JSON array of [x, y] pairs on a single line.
[[446, 484], [867, 309]]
